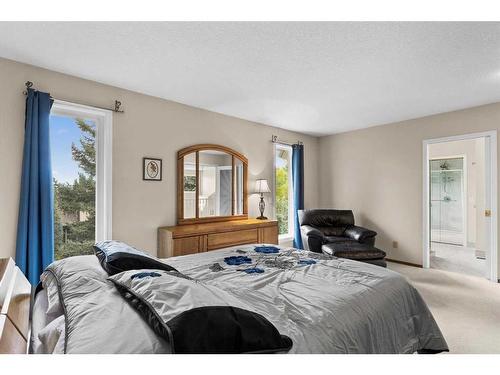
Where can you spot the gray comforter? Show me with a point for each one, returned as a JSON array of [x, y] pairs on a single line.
[[331, 306]]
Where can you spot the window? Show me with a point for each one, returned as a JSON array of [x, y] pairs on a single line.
[[284, 196], [80, 139]]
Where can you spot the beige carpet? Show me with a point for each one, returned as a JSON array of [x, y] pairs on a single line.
[[466, 308]]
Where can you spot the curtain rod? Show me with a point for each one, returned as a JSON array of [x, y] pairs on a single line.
[[116, 109], [274, 139]]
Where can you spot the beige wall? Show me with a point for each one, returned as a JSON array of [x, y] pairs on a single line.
[[149, 127], [377, 172]]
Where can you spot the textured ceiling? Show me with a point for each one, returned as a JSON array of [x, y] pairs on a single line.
[[317, 78]]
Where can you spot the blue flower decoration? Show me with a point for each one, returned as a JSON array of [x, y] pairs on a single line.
[[253, 270], [237, 260], [267, 249], [142, 275], [307, 261]]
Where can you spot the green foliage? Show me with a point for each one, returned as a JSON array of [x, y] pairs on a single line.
[[71, 201], [85, 154], [79, 196], [282, 199], [73, 248], [58, 227]]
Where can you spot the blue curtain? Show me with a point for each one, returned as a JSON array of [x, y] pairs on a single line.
[[298, 190], [35, 228]]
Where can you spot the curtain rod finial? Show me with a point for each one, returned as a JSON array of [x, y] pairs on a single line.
[[28, 85], [118, 104]]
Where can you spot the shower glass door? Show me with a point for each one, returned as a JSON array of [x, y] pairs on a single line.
[[447, 201]]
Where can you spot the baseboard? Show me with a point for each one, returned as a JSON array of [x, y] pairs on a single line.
[[405, 263]]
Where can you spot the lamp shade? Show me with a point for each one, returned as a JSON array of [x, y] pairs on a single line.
[[261, 186]]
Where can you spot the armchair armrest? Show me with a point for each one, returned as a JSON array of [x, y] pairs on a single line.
[[312, 238], [307, 230], [361, 234]]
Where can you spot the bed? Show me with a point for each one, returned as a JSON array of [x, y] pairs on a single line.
[[322, 303]]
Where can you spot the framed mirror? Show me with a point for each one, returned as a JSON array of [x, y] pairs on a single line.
[[212, 184]]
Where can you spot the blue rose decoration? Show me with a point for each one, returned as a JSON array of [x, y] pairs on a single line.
[[267, 249], [307, 261], [253, 270], [237, 260]]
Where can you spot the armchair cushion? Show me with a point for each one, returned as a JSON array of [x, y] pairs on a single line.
[[359, 234], [337, 239], [333, 231], [323, 218]]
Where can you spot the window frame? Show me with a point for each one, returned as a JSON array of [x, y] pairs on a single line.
[[291, 223], [103, 120]]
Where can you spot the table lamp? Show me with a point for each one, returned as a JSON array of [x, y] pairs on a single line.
[[261, 187]]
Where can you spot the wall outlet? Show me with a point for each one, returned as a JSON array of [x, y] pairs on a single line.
[[395, 244]]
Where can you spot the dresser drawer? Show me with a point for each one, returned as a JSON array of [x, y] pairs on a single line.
[[240, 237], [269, 234], [186, 245]]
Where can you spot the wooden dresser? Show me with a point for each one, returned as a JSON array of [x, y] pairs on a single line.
[[197, 238], [15, 295]]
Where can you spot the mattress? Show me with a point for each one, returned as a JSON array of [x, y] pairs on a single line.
[[324, 304]]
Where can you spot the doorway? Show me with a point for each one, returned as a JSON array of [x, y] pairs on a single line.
[[460, 231]]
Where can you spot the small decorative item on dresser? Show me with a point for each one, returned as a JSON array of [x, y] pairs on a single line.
[[262, 187], [151, 169]]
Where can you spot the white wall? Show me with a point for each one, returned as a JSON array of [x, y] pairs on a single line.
[[149, 127]]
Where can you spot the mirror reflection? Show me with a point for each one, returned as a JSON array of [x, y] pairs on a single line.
[[190, 186], [215, 183]]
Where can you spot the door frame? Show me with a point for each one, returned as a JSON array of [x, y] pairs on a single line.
[[490, 173]]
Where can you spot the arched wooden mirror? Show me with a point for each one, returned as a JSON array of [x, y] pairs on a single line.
[[211, 184]]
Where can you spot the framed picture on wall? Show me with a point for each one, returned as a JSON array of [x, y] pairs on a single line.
[[151, 169]]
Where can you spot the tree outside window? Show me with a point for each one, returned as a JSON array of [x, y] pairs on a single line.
[[282, 190], [74, 203]]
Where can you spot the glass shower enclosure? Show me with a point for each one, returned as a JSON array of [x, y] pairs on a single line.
[[447, 201]]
